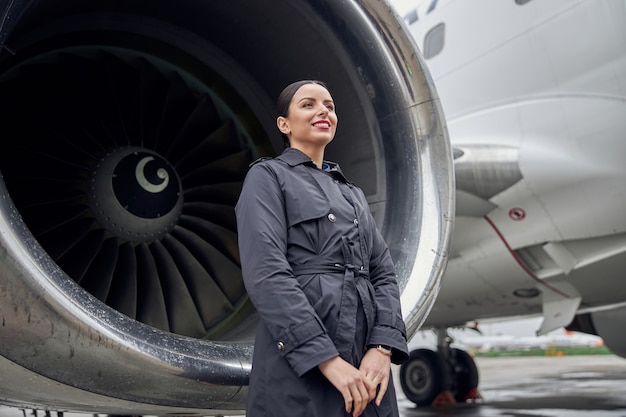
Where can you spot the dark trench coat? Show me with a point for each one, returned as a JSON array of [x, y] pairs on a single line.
[[321, 278]]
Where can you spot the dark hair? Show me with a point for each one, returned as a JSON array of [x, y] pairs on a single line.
[[285, 97]]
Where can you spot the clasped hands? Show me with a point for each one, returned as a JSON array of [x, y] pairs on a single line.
[[358, 386]]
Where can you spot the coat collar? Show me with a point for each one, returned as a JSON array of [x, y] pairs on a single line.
[[293, 157]]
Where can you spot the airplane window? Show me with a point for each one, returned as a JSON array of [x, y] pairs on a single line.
[[521, 2], [434, 40]]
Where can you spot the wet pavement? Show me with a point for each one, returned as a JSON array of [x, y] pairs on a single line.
[[567, 386]]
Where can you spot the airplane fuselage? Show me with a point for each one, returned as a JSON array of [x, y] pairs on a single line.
[[535, 96]]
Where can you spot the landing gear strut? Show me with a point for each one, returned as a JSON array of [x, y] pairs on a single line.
[[446, 376]]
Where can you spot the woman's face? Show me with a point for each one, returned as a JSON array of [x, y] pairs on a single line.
[[312, 120]]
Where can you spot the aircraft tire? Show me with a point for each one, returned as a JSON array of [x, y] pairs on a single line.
[[465, 374], [424, 376]]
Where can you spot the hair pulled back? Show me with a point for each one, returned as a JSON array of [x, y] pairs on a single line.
[[285, 97]]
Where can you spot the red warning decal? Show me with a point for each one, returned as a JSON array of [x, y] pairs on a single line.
[[517, 214]]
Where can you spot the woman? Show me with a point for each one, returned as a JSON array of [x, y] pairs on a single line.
[[319, 274]]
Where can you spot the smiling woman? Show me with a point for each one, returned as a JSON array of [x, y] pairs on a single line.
[[319, 274], [309, 122]]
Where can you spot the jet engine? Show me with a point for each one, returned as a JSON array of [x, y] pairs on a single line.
[[127, 130]]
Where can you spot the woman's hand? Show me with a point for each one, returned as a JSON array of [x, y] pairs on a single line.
[[376, 367], [355, 388]]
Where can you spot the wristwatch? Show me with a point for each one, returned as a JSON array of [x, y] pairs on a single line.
[[385, 350]]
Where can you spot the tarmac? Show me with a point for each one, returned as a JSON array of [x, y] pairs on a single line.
[[547, 386]]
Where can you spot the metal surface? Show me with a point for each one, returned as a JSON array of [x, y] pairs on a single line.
[[169, 346], [563, 386]]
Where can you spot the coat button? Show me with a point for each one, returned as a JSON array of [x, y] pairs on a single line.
[[332, 218], [356, 223], [280, 346]]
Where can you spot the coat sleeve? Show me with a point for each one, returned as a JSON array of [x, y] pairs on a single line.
[[297, 330], [389, 328]]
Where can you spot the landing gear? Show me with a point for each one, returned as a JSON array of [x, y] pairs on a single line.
[[424, 376], [446, 376], [465, 376]]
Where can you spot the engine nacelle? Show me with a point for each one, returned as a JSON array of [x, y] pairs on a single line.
[[608, 324], [128, 128]]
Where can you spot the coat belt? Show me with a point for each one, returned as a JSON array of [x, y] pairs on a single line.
[[354, 281]]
